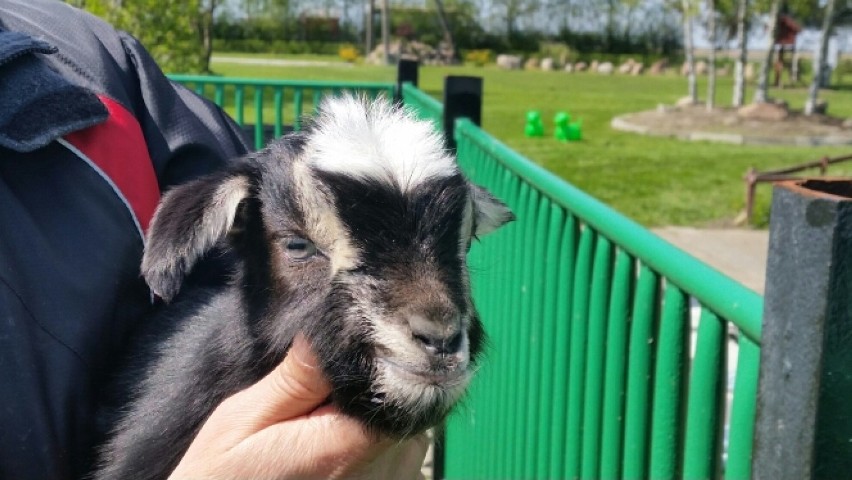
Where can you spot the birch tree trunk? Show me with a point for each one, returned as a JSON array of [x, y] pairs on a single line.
[[448, 34], [692, 84], [761, 95], [368, 26], [386, 30], [711, 68], [816, 82], [742, 47]]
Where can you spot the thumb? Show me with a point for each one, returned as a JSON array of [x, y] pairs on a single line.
[[294, 388]]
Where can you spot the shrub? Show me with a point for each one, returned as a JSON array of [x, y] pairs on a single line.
[[348, 52], [558, 51], [294, 47], [478, 57]]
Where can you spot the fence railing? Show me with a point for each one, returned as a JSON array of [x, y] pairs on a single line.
[[609, 349], [423, 105], [266, 103], [609, 353]]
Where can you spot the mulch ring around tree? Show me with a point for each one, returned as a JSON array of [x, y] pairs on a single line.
[[726, 125]]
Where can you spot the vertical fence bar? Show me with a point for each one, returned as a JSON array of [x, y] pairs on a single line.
[[595, 348], [462, 99], [537, 336], [406, 71], [496, 447], [317, 98], [562, 338], [492, 316], [219, 95], [743, 406], [513, 369], [297, 108], [278, 105], [703, 406], [239, 104], [475, 162], [199, 88], [258, 117], [668, 379], [639, 375], [521, 341], [616, 359], [547, 397], [577, 354]]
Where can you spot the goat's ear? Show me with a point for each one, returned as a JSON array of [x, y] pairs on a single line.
[[489, 212], [189, 221]]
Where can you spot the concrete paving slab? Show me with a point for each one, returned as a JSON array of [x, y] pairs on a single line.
[[738, 253]]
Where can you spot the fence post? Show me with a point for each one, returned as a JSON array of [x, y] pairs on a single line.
[[804, 415], [406, 71], [462, 99]]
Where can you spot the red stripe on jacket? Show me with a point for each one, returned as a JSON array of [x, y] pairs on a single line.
[[118, 148]]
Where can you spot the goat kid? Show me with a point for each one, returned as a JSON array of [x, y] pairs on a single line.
[[353, 232]]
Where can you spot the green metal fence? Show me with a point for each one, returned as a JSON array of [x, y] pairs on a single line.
[[610, 349], [613, 354], [591, 372], [279, 104], [423, 105]]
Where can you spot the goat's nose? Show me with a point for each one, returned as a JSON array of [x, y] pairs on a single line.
[[436, 337]]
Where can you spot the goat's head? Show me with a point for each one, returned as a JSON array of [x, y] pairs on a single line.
[[354, 232]]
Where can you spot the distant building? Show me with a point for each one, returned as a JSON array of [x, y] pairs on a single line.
[[787, 32]]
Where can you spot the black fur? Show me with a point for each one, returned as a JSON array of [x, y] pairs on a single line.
[[214, 341]]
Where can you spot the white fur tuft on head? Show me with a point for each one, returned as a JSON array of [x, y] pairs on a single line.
[[372, 139]]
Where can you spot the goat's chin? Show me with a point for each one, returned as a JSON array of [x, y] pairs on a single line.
[[425, 396]]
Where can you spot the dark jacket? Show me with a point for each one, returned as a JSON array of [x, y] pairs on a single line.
[[91, 133]]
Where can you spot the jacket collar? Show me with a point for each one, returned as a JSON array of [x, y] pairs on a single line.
[[37, 105]]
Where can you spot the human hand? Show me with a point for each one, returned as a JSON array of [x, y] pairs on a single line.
[[281, 428]]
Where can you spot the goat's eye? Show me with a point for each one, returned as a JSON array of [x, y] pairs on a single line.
[[299, 248]]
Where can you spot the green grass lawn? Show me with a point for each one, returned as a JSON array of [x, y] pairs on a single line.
[[655, 181]]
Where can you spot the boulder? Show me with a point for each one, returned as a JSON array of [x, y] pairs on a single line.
[[626, 67], [569, 67], [509, 62], [659, 67], [606, 68], [686, 102], [424, 53], [593, 67], [637, 69], [701, 67], [531, 64], [547, 64], [764, 111], [581, 67]]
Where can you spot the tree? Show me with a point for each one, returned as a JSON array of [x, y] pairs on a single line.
[[514, 10], [711, 71], [386, 30], [742, 58], [819, 68], [448, 34], [167, 28], [205, 29], [689, 51], [761, 94]]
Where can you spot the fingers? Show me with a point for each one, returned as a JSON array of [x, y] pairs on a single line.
[[318, 445], [294, 388]]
